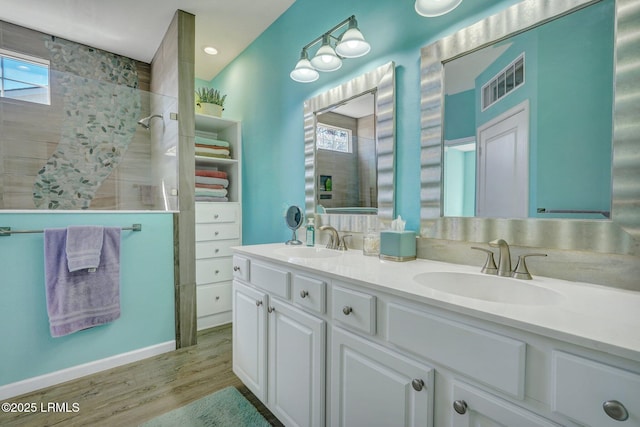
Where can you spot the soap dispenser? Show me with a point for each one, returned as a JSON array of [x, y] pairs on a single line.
[[311, 232]]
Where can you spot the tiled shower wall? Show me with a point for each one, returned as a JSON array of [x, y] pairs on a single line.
[[85, 150]]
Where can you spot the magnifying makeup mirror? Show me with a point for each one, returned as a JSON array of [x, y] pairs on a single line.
[[294, 221]]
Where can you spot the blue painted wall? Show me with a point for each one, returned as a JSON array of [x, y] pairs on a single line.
[[147, 295], [270, 104]]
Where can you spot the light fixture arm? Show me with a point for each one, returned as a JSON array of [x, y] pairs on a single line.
[[329, 33]]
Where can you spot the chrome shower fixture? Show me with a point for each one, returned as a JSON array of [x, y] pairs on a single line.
[[146, 122]]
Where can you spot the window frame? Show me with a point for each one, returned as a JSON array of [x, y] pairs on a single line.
[[349, 141], [27, 59]]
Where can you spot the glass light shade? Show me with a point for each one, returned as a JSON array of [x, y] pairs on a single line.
[[431, 8], [304, 72], [352, 44], [326, 59]]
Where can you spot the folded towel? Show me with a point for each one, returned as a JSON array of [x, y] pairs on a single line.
[[83, 247], [211, 173], [210, 141], [81, 299], [213, 152], [211, 193], [214, 186], [216, 147], [209, 180], [211, 199]]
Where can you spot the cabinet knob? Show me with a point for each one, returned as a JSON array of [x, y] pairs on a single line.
[[460, 406], [217, 271], [347, 310], [304, 294], [417, 384], [217, 250], [615, 410], [258, 303], [271, 309], [217, 298], [216, 233], [216, 216], [236, 268]]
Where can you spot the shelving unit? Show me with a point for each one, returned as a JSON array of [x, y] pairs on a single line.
[[218, 225]]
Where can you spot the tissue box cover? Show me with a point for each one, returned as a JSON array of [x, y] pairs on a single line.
[[398, 245]]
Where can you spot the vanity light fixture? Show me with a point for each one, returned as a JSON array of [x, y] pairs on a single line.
[[432, 8], [350, 44]]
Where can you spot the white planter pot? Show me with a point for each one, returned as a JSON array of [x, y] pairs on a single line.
[[209, 109]]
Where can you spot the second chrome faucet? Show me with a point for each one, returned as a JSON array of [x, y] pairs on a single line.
[[335, 242], [504, 261]]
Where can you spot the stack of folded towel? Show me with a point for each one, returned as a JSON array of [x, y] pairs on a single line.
[[212, 148], [211, 186]]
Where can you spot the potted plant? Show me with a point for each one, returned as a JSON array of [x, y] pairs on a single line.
[[209, 101]]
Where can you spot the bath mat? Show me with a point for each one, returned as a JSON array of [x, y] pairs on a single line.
[[224, 408]]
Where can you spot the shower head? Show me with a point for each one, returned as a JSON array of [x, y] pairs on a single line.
[[146, 122]]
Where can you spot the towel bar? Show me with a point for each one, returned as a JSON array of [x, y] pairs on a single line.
[[7, 231]]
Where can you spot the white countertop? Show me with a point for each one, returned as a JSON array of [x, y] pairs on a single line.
[[598, 317]]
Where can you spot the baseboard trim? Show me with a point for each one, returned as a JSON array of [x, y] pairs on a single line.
[[74, 372], [213, 320]]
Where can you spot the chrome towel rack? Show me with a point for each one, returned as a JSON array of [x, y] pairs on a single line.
[[7, 231]]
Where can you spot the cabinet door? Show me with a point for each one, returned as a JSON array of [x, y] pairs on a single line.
[[374, 386], [249, 337], [473, 407], [296, 374]]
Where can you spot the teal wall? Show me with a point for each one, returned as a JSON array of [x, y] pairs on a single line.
[[146, 294], [460, 114], [270, 104]]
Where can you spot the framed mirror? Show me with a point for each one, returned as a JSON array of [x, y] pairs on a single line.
[[349, 152], [619, 231]]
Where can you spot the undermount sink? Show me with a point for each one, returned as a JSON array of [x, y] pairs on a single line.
[[306, 252], [488, 288]]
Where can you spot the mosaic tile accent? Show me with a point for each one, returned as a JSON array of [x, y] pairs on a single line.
[[102, 106]]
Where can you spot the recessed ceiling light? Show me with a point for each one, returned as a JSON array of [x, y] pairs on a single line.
[[211, 50]]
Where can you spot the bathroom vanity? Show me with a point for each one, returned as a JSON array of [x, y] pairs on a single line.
[[324, 337]]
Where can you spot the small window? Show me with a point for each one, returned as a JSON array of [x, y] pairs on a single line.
[[333, 138], [24, 77], [503, 83]]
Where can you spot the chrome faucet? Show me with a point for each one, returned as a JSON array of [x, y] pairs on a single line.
[[334, 239], [504, 257]]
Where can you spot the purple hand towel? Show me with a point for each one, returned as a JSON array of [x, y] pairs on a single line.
[[81, 299], [84, 245]]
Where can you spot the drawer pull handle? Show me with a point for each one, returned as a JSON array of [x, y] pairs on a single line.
[[615, 410], [347, 310], [271, 309], [258, 303], [460, 406], [217, 250], [217, 271], [216, 216], [304, 294], [417, 384], [217, 298], [236, 268], [216, 233]]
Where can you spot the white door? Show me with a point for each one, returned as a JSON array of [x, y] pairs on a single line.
[[296, 374], [249, 338], [374, 386], [503, 165]]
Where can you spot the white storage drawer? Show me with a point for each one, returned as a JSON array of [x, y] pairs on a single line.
[[216, 212], [272, 280], [215, 248], [582, 386], [213, 299], [310, 293], [493, 359], [212, 270], [222, 231], [354, 309], [241, 268]]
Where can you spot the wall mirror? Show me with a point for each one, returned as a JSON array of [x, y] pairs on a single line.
[[617, 192], [349, 152]]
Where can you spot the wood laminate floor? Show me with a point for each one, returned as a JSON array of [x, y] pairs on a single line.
[[132, 394]]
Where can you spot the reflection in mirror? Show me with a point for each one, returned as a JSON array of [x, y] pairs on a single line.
[[528, 122], [293, 219], [620, 234], [346, 158], [330, 195]]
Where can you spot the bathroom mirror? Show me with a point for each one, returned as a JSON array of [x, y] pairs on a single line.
[[616, 235], [372, 95], [293, 219]]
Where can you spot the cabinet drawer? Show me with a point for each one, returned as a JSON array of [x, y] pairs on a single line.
[[213, 299], [216, 212], [310, 293], [222, 231], [211, 270], [354, 309], [215, 248], [273, 280], [582, 386], [487, 357], [241, 268]]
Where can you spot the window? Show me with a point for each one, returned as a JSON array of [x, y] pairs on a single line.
[[511, 77], [333, 138], [24, 77]]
